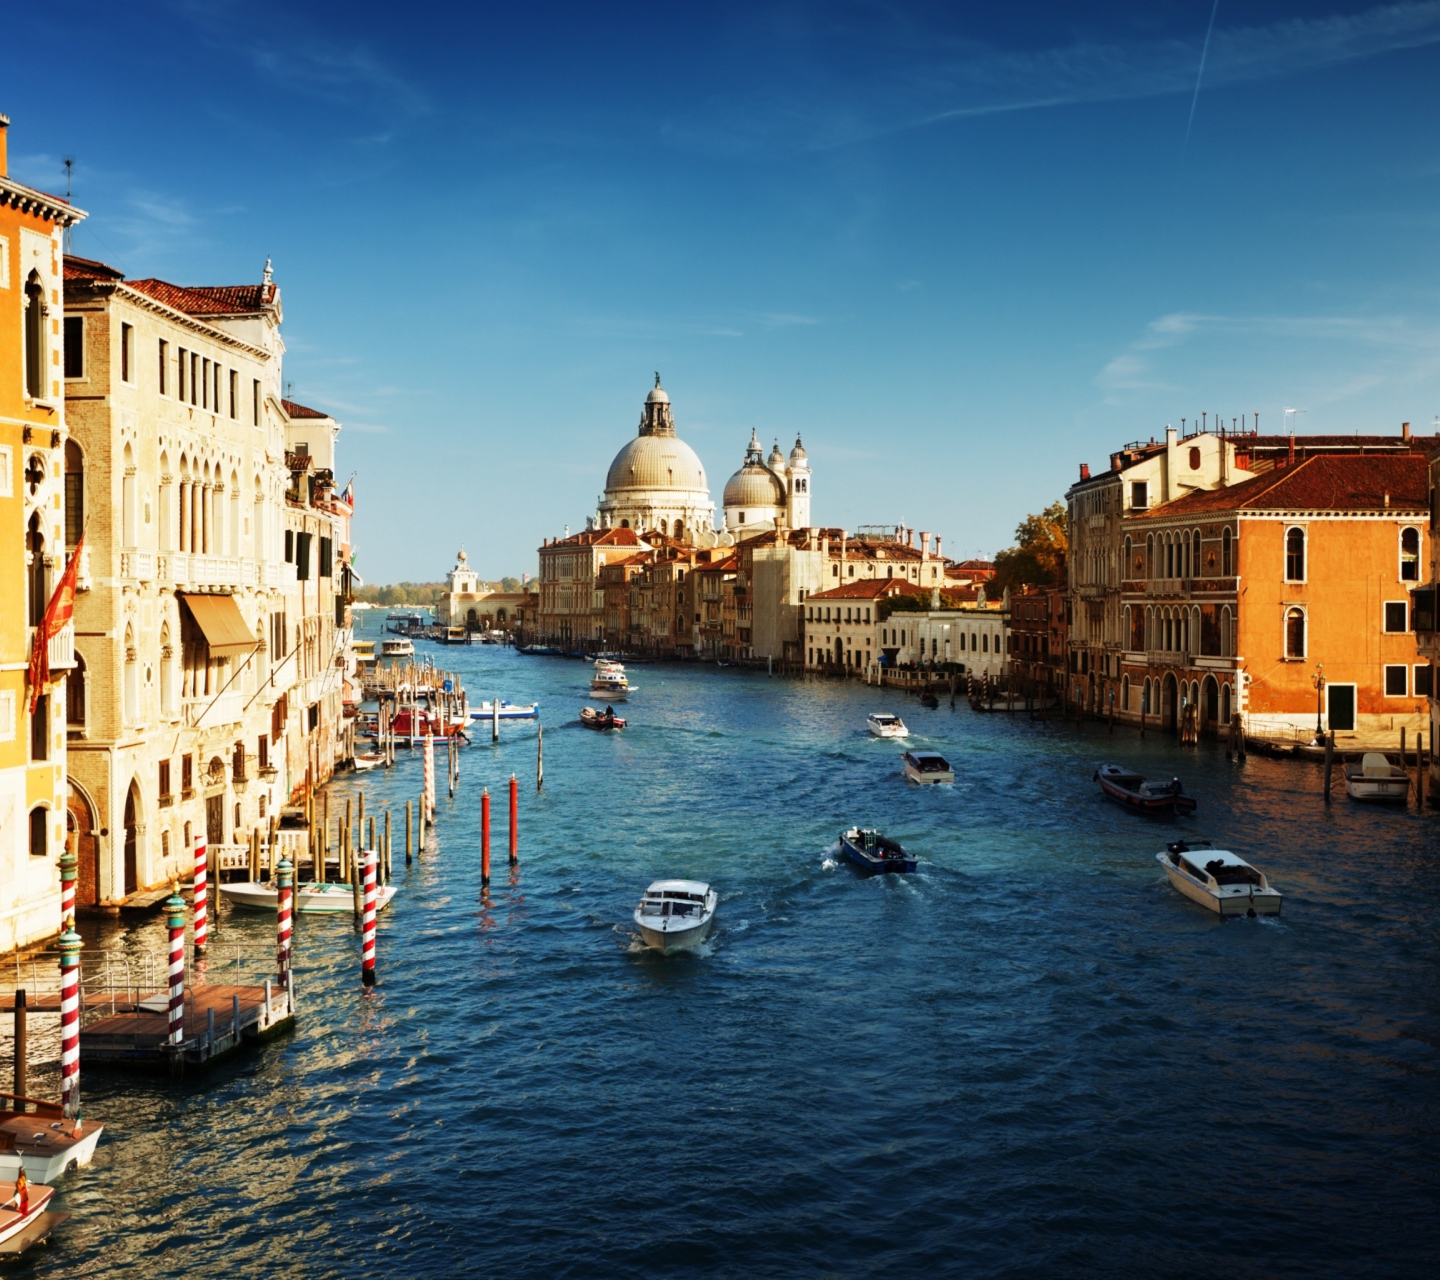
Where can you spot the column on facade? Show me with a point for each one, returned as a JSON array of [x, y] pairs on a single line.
[[194, 518], [184, 543], [207, 497]]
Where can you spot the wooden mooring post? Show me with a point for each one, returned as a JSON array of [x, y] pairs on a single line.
[[407, 832], [1329, 754], [22, 1050]]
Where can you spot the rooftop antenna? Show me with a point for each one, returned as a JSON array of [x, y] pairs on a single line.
[[69, 174], [1288, 413], [289, 391]]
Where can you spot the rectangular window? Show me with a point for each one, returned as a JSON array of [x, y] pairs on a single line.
[[164, 367], [1395, 620], [217, 386], [314, 716], [165, 795], [327, 555], [187, 781], [182, 363], [74, 507], [1395, 682], [164, 844], [255, 408], [302, 557], [204, 383], [289, 546], [194, 378], [234, 394], [1139, 494], [1424, 682], [262, 751], [40, 729], [74, 347], [127, 341]]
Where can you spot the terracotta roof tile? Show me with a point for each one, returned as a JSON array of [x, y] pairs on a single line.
[[209, 300], [1325, 482], [293, 410], [870, 589], [88, 269]]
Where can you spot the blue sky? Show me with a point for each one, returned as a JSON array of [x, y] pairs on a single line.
[[959, 248]]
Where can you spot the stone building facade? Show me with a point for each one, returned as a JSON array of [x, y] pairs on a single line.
[[187, 638], [37, 537]]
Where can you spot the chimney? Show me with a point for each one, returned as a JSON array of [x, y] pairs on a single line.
[[4, 146], [1291, 459], [937, 546], [924, 544], [1084, 471], [1405, 432]]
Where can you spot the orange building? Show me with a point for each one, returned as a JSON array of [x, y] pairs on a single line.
[[34, 538], [1285, 599]]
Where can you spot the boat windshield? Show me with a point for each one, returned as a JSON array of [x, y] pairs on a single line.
[[931, 764], [1230, 873], [671, 904]]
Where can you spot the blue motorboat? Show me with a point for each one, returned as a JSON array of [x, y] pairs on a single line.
[[871, 852]]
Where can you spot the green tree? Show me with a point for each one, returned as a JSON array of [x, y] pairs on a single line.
[[1038, 556]]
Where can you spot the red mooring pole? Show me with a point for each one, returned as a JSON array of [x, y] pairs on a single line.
[[175, 919], [514, 821], [202, 913], [367, 925], [485, 836]]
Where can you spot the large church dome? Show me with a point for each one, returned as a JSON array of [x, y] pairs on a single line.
[[656, 462], [657, 481]]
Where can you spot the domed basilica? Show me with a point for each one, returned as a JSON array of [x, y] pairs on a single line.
[[657, 484]]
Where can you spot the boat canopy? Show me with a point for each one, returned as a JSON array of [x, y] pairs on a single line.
[[679, 888], [927, 761], [883, 717]]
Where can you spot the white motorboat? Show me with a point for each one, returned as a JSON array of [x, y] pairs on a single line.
[[363, 760], [883, 725], [1218, 879], [926, 767], [1377, 777], [508, 711], [610, 685], [24, 1215], [44, 1143], [676, 915], [401, 648], [320, 898]]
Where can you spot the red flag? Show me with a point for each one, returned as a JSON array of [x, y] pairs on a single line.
[[57, 613]]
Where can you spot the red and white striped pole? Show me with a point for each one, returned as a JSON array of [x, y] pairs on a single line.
[[367, 923], [429, 778], [282, 922], [70, 1023], [202, 905], [175, 918], [68, 864]]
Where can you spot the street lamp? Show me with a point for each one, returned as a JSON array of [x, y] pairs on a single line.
[[1318, 680]]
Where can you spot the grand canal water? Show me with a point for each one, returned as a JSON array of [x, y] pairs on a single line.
[[1033, 1058]]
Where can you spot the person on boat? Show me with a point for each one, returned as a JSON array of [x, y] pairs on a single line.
[[609, 717], [21, 1198]]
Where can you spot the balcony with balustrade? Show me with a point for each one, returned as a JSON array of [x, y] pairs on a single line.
[[212, 712]]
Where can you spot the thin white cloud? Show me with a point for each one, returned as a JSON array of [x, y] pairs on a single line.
[[923, 79]]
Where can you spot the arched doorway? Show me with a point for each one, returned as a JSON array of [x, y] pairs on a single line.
[[1210, 704], [80, 835], [1169, 704], [472, 620], [132, 837]]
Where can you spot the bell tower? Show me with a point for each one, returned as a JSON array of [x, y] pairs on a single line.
[[797, 499]]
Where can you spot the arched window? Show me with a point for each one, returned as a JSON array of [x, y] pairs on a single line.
[[1184, 556], [1150, 555], [167, 672], [74, 494], [1125, 572], [35, 336], [1145, 697], [1195, 554], [75, 695], [166, 501], [1226, 647], [132, 677], [1225, 704], [679, 529], [1295, 555], [234, 515], [1125, 694], [1294, 633], [39, 832], [624, 524], [1409, 555], [258, 533], [36, 580], [127, 499], [1227, 553], [1169, 557]]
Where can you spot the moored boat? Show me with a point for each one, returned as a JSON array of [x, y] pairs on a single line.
[[508, 711], [1131, 791], [884, 725], [319, 898], [1220, 881], [925, 767], [23, 1217], [871, 852], [607, 719], [1375, 777], [43, 1142], [401, 648], [676, 915], [455, 635], [363, 760]]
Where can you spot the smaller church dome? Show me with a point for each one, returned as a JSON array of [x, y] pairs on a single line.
[[460, 555], [777, 459], [657, 396], [754, 485], [797, 454]]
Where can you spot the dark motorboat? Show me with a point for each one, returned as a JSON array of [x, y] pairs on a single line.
[[607, 719], [928, 699], [1128, 789], [872, 852]]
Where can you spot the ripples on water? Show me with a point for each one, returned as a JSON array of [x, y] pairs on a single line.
[[1031, 1058]]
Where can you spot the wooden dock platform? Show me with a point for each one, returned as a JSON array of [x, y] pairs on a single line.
[[218, 1020]]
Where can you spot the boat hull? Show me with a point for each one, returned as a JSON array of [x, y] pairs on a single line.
[[1379, 790], [868, 864], [46, 1165], [683, 936], [12, 1222], [1142, 802], [925, 779], [310, 899]]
